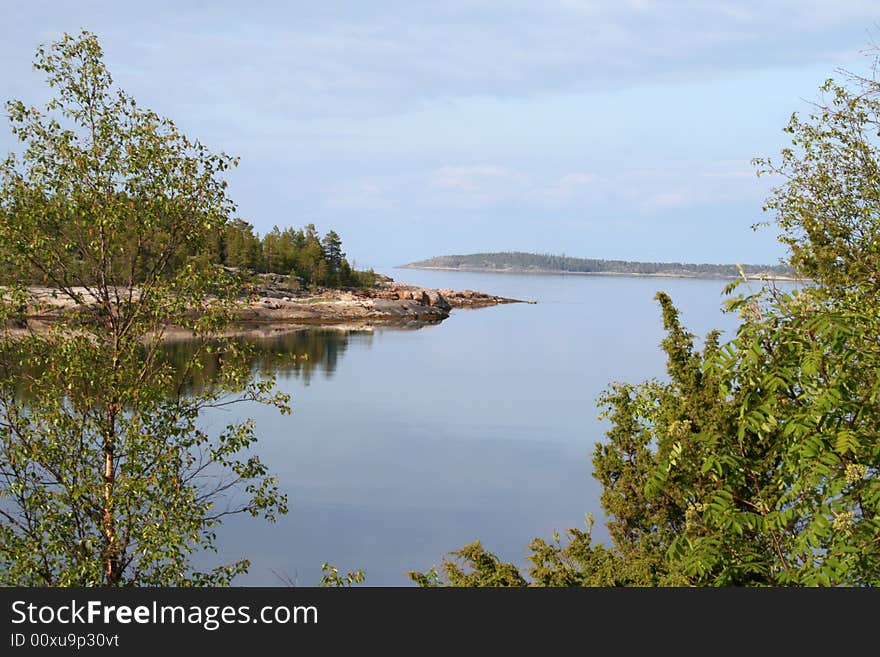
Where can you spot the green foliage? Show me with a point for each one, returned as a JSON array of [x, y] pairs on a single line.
[[332, 578], [108, 475], [795, 490], [484, 570], [755, 462], [828, 206]]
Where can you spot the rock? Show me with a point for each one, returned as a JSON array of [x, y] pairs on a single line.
[[436, 299], [391, 302]]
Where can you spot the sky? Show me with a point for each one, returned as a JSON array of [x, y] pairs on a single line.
[[617, 129]]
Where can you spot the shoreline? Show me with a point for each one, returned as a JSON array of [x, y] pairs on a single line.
[[550, 272], [269, 311]]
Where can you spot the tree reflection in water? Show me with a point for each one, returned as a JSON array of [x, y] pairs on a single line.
[[297, 353]]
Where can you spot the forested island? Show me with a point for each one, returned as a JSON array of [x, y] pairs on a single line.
[[545, 263], [285, 280]]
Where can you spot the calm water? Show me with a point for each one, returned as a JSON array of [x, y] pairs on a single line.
[[405, 444]]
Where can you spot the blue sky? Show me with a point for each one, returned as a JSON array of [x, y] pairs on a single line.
[[619, 129]]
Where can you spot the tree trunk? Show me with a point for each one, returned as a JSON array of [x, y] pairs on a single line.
[[110, 557]]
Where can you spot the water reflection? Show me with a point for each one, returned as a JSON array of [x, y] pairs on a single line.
[[301, 354]]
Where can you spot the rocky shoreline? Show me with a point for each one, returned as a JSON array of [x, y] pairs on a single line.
[[272, 307], [389, 303]]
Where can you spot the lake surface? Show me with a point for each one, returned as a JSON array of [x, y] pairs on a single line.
[[405, 444]]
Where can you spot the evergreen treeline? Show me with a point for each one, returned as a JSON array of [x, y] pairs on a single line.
[[302, 253], [308, 258], [545, 262]]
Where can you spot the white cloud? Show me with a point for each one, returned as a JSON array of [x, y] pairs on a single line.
[[565, 188], [289, 60], [667, 200], [728, 175], [367, 193], [481, 179], [576, 179]]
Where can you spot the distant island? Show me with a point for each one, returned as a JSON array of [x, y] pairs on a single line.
[[543, 263]]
